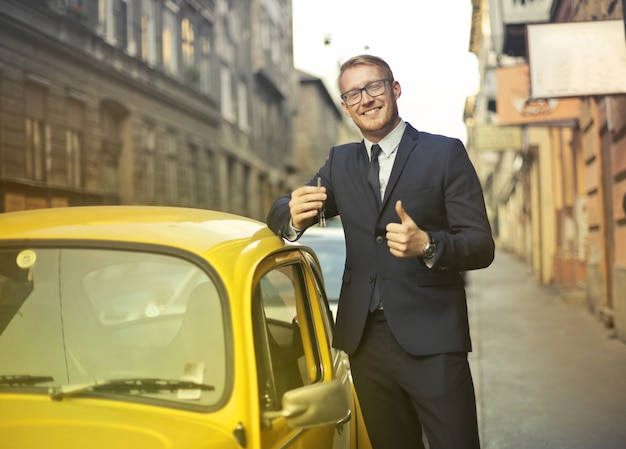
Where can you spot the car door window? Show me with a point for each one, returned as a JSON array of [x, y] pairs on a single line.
[[287, 357]]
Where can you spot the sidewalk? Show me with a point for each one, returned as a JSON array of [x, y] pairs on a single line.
[[547, 374]]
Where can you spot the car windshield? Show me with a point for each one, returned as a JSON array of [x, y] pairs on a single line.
[[72, 317]]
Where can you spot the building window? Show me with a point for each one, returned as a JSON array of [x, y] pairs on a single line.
[[120, 13], [112, 117], [205, 65], [188, 45], [74, 158], [34, 148], [246, 181], [74, 143], [193, 174], [148, 31], [276, 40], [242, 106], [270, 38], [227, 94], [171, 170], [263, 116], [170, 40], [148, 138], [266, 39], [36, 151], [211, 180], [106, 20], [131, 26], [235, 192]]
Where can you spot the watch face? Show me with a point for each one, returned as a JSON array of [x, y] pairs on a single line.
[[429, 251]]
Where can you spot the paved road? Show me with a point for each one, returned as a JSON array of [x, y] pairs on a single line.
[[548, 374]]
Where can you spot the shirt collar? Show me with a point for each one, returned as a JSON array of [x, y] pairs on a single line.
[[390, 142]]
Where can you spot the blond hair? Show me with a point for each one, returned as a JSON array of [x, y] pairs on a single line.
[[365, 60]]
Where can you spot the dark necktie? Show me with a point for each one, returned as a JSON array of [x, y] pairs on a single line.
[[372, 173], [372, 179]]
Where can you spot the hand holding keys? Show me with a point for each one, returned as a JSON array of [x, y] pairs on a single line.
[[321, 214]]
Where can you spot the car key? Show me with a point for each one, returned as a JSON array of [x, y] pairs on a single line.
[[321, 214]]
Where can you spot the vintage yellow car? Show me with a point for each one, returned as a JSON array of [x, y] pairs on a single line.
[[153, 327]]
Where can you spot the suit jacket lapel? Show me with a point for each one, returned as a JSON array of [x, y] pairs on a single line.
[[407, 145]]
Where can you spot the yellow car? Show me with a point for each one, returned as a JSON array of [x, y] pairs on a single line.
[[152, 327]]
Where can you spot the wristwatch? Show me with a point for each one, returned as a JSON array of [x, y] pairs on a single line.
[[430, 248]]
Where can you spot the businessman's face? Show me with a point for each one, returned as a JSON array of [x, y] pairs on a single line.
[[376, 114]]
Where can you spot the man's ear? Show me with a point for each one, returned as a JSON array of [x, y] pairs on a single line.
[[397, 90]]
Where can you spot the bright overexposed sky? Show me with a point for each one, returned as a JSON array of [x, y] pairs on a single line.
[[426, 43]]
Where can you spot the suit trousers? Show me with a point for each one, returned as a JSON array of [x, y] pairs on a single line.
[[401, 394]]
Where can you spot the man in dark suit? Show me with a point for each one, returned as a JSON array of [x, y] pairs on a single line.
[[414, 217]]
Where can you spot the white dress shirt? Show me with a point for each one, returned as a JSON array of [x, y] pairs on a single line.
[[389, 148]]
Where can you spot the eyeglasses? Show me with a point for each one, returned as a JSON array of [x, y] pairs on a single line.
[[373, 89]]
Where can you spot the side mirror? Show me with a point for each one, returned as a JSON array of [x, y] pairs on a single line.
[[313, 405]]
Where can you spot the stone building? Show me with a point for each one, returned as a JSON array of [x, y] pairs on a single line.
[[162, 102]]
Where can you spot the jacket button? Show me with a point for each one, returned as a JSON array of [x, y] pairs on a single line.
[[379, 239], [370, 279]]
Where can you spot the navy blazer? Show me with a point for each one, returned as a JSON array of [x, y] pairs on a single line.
[[425, 307]]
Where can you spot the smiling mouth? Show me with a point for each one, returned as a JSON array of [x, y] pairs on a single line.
[[372, 111]]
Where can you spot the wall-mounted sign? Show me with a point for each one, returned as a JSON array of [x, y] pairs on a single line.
[[497, 138], [516, 107], [577, 59]]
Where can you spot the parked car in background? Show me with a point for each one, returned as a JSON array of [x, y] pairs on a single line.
[[329, 245], [149, 327]]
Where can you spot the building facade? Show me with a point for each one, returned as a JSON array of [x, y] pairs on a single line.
[[554, 167], [162, 102]]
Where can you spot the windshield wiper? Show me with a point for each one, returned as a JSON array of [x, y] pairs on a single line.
[[145, 385], [23, 380]]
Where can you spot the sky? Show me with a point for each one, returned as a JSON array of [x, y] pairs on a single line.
[[425, 42]]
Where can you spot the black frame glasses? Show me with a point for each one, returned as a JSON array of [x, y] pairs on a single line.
[[373, 89]]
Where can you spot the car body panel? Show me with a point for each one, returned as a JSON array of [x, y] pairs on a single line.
[[176, 251], [35, 421]]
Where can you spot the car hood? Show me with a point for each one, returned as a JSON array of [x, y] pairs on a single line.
[[33, 422]]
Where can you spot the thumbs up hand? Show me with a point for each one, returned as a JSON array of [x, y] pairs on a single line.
[[405, 239]]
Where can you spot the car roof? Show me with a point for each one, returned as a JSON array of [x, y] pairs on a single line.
[[195, 230]]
